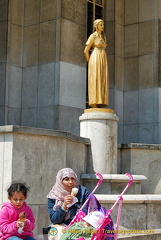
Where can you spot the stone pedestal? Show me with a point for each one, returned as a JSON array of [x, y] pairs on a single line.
[[100, 126]]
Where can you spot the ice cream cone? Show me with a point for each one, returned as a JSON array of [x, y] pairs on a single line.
[[22, 218], [74, 192]]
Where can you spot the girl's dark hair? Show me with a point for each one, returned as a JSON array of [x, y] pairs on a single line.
[[17, 187]]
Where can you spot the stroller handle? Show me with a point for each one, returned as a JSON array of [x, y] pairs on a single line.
[[101, 178], [98, 184], [131, 179]]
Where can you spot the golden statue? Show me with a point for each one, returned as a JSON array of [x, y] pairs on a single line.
[[98, 84]]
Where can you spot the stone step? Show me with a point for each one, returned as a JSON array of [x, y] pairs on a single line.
[[112, 183], [139, 212]]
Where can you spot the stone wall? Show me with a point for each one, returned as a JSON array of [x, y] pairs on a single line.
[[3, 56], [54, 64], [141, 95], [135, 88], [42, 63], [143, 159]]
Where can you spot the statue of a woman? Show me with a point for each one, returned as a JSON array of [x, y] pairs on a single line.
[[98, 84]]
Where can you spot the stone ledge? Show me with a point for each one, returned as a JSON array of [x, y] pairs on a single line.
[[140, 146], [45, 132], [113, 177], [142, 198]]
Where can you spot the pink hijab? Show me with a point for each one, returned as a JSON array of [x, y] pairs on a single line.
[[58, 192]]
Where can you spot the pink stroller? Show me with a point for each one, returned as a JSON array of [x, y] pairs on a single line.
[[105, 230]]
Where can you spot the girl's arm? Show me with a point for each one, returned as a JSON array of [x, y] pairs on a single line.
[[5, 225]]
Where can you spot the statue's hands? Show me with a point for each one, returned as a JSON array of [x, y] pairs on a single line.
[[86, 52], [87, 58]]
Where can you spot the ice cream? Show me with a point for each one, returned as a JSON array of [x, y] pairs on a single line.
[[22, 218], [74, 192]]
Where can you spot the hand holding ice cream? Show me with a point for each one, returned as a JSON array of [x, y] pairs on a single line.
[[73, 194], [21, 222]]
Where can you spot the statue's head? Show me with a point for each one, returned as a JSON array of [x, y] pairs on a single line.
[[96, 22]]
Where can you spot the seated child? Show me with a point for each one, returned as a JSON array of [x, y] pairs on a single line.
[[17, 221], [85, 228]]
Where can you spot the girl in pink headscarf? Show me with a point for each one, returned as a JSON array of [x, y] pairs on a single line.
[[61, 208]]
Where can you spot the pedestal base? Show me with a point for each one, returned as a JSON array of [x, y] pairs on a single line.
[[103, 110], [100, 126]]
